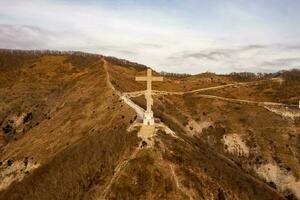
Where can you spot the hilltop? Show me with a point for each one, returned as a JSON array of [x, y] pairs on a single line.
[[65, 133]]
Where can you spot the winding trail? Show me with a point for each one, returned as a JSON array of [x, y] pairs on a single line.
[[140, 113], [258, 103], [139, 110], [117, 172], [161, 92], [242, 101], [178, 184]]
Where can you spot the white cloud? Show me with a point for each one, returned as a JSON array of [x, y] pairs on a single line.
[[146, 36]]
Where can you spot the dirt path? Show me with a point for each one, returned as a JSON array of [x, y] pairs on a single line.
[[258, 103], [122, 165], [242, 101], [229, 85], [178, 184], [159, 92], [139, 111]]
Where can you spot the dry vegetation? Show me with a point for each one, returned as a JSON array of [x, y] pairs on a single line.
[[63, 133]]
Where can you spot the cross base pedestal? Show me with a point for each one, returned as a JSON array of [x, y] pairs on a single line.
[[148, 118]]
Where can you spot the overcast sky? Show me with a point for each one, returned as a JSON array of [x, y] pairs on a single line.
[[190, 36]]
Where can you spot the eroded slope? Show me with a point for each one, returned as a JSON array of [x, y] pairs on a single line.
[[65, 136]]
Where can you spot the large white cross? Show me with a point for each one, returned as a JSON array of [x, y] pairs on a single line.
[[148, 117]]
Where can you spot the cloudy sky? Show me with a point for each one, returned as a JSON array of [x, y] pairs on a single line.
[[189, 36]]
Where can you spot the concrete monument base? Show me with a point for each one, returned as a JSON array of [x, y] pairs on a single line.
[[148, 118]]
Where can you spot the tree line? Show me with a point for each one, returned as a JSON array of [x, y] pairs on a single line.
[[46, 52]]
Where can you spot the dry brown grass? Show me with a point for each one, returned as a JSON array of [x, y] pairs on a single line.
[[77, 133]]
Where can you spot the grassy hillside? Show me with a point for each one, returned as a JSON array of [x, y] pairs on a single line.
[[64, 133]]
